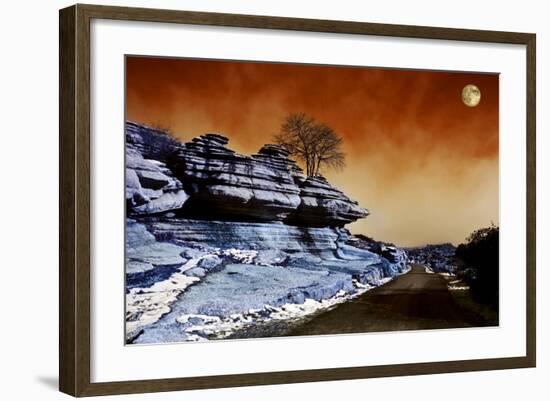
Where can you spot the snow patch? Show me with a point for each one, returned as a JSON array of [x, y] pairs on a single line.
[[459, 287], [238, 255], [145, 306], [205, 327]]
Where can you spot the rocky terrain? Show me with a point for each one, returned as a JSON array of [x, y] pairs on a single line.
[[439, 258], [216, 240]]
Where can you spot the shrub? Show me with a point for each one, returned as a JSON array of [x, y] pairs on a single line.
[[480, 264]]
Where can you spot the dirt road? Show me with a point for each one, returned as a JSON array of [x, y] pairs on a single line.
[[416, 300]]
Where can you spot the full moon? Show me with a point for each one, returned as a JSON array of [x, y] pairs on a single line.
[[471, 95]]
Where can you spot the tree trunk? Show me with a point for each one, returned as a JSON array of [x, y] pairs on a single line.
[[317, 168]]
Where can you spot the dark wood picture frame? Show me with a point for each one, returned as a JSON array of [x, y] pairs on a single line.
[[74, 200]]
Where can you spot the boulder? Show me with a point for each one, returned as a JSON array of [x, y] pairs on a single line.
[[209, 262], [150, 186]]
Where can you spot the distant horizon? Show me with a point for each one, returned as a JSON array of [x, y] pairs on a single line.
[[424, 164]]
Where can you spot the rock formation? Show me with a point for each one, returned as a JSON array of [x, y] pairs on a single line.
[[323, 205], [206, 179], [150, 186], [151, 143], [215, 239], [227, 185]]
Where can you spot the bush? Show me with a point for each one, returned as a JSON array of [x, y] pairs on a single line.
[[480, 264]]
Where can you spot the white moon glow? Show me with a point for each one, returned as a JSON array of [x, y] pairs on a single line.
[[471, 95]]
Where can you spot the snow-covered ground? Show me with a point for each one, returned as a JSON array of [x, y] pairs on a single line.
[[208, 327], [145, 306], [204, 292]]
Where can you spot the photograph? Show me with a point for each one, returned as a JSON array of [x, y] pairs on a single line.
[[274, 199]]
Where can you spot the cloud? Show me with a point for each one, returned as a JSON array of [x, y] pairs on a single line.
[[425, 164]]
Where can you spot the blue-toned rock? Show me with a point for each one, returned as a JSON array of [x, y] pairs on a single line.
[[323, 205], [216, 240], [225, 185], [150, 186]]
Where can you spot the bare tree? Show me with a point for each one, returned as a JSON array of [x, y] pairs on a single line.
[[315, 144], [327, 149], [296, 136]]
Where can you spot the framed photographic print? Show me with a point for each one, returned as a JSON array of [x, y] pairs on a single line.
[[250, 200]]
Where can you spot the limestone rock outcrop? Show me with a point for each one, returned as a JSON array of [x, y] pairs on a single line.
[[150, 186], [225, 185], [204, 178], [324, 205], [151, 143], [216, 240]]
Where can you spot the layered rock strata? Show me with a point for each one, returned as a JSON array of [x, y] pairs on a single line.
[[151, 143], [224, 184], [215, 239], [150, 186], [219, 183], [323, 205]]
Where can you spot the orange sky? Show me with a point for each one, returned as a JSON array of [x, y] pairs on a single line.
[[424, 164]]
